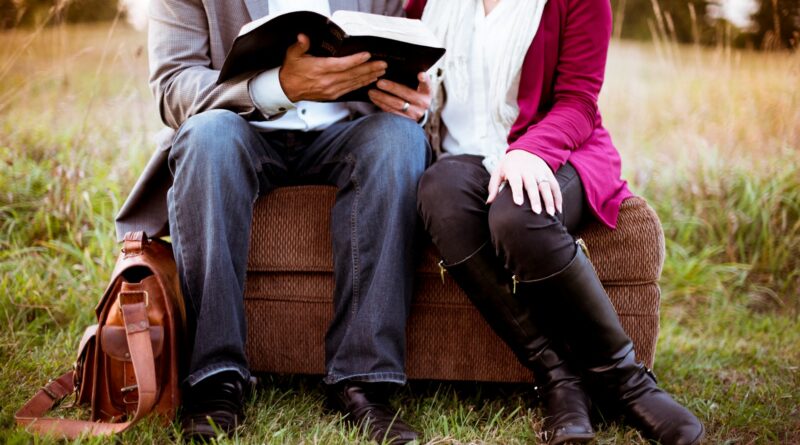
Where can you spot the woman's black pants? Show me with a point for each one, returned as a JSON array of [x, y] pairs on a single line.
[[452, 202]]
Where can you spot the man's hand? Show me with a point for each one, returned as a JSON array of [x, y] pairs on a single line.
[[524, 170], [305, 77], [401, 100]]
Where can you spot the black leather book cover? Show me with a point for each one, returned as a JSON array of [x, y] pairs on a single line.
[[262, 45]]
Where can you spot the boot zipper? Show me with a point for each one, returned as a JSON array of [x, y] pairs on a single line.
[[514, 279], [580, 242], [442, 270]]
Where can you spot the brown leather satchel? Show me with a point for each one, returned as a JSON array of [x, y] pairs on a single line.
[[128, 364]]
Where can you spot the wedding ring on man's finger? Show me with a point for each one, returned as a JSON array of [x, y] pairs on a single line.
[[406, 106]]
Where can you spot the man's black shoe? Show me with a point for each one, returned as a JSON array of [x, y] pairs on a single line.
[[213, 405], [366, 405]]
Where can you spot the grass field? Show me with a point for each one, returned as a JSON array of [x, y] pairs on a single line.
[[710, 137]]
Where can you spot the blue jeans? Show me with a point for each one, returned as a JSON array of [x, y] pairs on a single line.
[[221, 165]]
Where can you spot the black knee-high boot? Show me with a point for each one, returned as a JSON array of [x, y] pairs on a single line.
[[484, 279], [594, 334]]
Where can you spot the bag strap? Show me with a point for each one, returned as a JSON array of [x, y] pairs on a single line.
[[137, 331], [134, 243]]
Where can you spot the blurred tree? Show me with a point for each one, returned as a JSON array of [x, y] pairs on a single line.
[[8, 14], [37, 12], [777, 24], [92, 10], [680, 20]]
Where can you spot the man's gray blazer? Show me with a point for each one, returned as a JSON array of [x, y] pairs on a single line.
[[187, 43]]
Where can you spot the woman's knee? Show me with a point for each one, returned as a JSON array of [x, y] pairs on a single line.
[[441, 192], [451, 203], [534, 245]]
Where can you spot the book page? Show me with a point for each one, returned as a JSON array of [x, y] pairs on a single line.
[[247, 27], [413, 31]]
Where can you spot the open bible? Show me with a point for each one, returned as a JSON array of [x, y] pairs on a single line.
[[407, 45]]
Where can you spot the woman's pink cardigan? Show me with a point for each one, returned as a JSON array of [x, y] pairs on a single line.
[[559, 120]]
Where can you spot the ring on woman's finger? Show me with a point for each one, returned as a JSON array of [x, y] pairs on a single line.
[[406, 106], [541, 180]]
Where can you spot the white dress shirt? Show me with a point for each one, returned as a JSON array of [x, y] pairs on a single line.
[[270, 99]]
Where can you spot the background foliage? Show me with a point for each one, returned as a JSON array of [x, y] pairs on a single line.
[[778, 24], [775, 24], [35, 12]]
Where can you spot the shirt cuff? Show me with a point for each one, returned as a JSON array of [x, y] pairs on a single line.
[[267, 94], [424, 119]]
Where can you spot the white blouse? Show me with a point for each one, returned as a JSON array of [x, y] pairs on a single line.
[[470, 127]]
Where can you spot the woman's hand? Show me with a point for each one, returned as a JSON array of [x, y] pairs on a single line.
[[524, 170], [399, 99]]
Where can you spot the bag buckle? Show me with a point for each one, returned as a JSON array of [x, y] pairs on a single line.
[[124, 294], [50, 393], [127, 392], [77, 369]]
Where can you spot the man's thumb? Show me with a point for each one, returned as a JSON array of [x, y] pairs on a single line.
[[300, 47]]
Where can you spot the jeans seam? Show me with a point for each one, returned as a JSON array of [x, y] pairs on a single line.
[[380, 376], [216, 368], [354, 237], [182, 251]]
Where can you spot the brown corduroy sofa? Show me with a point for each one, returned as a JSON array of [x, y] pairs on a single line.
[[288, 293]]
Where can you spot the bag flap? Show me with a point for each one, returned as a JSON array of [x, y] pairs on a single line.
[[114, 342], [82, 375], [86, 342], [141, 259]]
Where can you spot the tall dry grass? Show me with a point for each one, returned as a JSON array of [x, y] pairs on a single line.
[[712, 138], [701, 102]]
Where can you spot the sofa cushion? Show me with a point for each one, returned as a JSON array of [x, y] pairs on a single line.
[[631, 254]]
